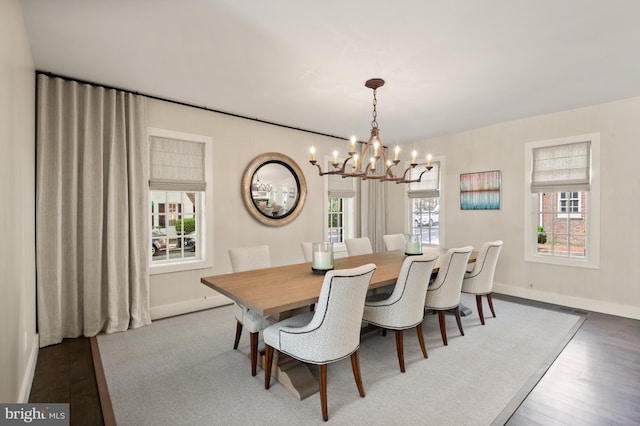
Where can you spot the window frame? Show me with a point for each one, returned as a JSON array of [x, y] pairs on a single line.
[[592, 257], [205, 225], [348, 214], [408, 221]]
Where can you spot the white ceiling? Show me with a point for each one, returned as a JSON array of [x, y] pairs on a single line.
[[449, 65]]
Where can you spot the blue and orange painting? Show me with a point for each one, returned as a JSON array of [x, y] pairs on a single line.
[[480, 191]]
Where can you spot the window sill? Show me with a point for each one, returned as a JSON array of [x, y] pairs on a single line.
[[179, 266], [563, 261]]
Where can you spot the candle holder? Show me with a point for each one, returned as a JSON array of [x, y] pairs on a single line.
[[321, 258], [413, 246]]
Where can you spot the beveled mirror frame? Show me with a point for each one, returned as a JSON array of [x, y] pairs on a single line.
[[247, 178]]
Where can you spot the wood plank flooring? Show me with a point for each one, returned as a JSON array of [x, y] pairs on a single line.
[[594, 381]]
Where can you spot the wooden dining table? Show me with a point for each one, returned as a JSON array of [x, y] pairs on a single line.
[[281, 291]]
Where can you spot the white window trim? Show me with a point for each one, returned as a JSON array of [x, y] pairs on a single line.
[[349, 225], [592, 259], [408, 216], [205, 220]]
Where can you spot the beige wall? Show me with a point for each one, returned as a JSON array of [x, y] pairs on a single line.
[[615, 287], [18, 350]]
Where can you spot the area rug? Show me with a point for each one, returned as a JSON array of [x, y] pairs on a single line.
[[183, 371]]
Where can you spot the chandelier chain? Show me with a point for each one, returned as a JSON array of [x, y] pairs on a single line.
[[374, 122]]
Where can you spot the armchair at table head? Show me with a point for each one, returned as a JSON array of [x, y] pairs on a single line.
[[330, 333], [356, 246], [443, 293], [479, 280], [404, 308], [394, 241], [247, 259]]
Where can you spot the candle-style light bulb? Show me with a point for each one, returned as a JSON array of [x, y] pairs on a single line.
[[428, 160], [335, 157], [397, 151], [373, 163], [376, 145], [414, 154], [355, 161], [313, 153], [353, 143]]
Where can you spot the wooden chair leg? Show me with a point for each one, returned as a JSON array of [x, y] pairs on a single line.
[[456, 311], [443, 327], [238, 334], [254, 352], [268, 359], [400, 349], [355, 366], [479, 305], [490, 300], [323, 391], [421, 340]]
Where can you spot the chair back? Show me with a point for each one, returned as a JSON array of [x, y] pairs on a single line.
[[394, 242], [404, 308], [249, 258], [307, 250], [444, 291], [480, 279], [356, 246], [334, 330]]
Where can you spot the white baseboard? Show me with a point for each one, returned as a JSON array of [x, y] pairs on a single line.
[[593, 305], [187, 306], [27, 379]]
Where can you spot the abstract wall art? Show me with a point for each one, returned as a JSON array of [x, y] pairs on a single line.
[[480, 191]]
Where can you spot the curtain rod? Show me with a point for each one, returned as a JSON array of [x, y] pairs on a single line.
[[51, 74]]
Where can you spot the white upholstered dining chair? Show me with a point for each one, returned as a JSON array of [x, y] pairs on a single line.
[[479, 280], [404, 308], [394, 242], [356, 246], [247, 259], [330, 333], [443, 293]]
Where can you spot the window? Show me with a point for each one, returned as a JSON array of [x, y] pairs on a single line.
[[426, 220], [424, 198], [340, 208], [561, 220], [335, 222], [174, 224], [177, 195]]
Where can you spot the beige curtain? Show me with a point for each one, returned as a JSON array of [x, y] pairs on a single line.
[[376, 214], [91, 210]]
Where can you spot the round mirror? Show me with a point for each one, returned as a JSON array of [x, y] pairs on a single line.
[[273, 189]]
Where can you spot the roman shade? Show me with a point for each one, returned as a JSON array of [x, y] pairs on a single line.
[[176, 165], [561, 168], [340, 187], [429, 185]]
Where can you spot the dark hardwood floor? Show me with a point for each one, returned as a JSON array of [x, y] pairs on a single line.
[[594, 381], [65, 373]]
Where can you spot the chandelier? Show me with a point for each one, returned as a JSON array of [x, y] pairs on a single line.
[[376, 150]]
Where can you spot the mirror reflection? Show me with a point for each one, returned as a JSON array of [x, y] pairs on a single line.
[[274, 189]]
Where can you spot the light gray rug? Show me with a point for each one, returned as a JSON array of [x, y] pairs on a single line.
[[182, 371]]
